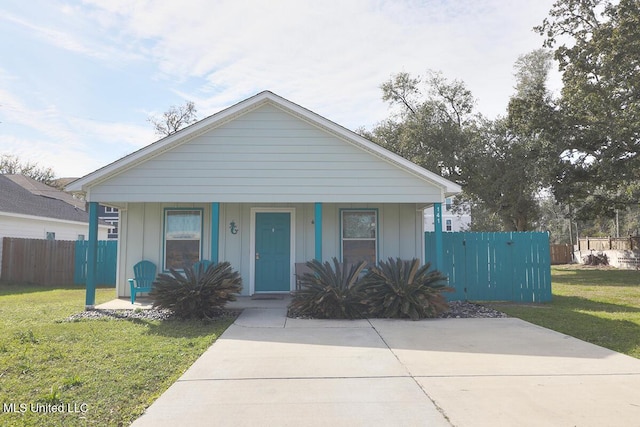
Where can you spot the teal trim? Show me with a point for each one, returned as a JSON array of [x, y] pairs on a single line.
[[437, 224], [215, 232], [164, 233], [92, 255], [341, 210], [318, 229]]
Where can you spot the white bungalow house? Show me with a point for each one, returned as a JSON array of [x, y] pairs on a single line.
[[264, 184]]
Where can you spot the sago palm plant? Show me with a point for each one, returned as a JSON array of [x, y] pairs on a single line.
[[196, 292], [330, 292], [401, 289]]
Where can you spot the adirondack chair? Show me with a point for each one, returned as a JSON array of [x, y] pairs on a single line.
[[204, 263], [145, 274]]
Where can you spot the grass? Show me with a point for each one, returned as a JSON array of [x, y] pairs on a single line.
[[100, 372], [600, 306]]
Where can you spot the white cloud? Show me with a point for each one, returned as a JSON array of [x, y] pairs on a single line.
[[329, 56], [331, 52], [71, 146]]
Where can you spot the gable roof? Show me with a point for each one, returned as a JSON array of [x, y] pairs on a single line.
[[25, 196], [229, 114]]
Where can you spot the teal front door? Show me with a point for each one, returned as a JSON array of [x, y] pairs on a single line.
[[273, 252]]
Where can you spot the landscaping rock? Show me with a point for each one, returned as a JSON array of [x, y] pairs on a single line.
[[465, 310], [457, 310], [150, 314]]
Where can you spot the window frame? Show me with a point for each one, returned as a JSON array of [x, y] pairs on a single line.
[[165, 215], [375, 239], [448, 225]]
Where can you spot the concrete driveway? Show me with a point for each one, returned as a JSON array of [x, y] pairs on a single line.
[[268, 370]]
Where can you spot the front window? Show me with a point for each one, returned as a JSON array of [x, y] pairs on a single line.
[[449, 225], [182, 237], [359, 236]]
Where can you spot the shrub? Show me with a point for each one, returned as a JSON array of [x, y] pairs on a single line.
[[196, 293], [400, 289], [330, 292], [597, 259]]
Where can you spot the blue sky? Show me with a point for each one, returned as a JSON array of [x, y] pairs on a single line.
[[78, 79]]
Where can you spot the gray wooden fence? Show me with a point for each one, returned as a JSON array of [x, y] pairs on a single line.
[[55, 262], [561, 254], [43, 262]]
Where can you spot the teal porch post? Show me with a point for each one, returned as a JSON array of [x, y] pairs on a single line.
[[437, 224], [215, 232], [92, 256], [318, 231]]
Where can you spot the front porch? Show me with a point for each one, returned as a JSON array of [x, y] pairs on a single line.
[[265, 253]]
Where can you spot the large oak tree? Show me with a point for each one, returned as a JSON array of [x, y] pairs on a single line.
[[597, 44], [501, 164]]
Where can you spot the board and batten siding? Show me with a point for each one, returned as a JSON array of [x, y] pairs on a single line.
[[266, 155], [400, 233]]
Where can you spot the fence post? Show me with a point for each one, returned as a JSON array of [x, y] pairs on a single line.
[[92, 256]]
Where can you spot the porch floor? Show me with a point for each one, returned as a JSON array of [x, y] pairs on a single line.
[[242, 302]]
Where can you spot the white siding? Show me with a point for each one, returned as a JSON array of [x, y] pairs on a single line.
[[271, 156], [399, 234], [460, 221]]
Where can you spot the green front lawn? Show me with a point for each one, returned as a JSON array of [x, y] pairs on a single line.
[[601, 306], [99, 372]]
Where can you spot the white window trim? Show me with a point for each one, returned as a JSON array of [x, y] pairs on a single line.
[[164, 233], [375, 239]]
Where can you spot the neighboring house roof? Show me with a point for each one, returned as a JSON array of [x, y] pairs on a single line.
[[63, 182], [105, 176], [25, 196], [41, 189]]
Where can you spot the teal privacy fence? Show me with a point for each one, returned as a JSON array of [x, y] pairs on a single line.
[[106, 262], [508, 266]]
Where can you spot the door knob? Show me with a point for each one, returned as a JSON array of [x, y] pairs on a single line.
[[257, 255]]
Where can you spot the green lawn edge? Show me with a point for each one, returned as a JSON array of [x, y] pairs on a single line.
[[90, 372], [597, 305]]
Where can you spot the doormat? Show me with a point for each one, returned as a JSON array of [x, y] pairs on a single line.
[[267, 296]]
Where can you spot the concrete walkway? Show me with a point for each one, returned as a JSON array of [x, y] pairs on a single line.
[[268, 370]]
